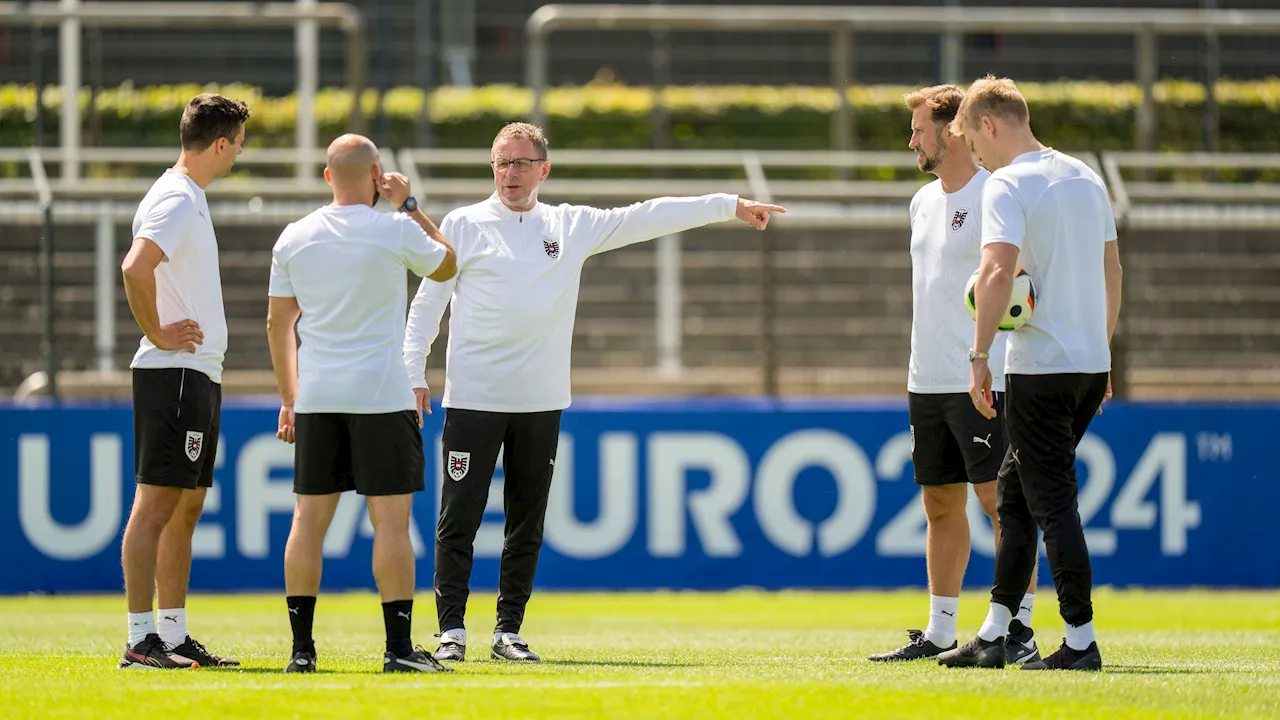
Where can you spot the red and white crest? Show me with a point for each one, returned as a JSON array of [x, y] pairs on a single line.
[[194, 444], [459, 464]]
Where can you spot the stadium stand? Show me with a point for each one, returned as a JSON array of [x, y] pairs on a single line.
[[1200, 316]]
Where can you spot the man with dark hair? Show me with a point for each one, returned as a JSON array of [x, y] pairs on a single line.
[[514, 298], [175, 293], [208, 118], [952, 444]]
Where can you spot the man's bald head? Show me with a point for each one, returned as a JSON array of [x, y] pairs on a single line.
[[350, 158]]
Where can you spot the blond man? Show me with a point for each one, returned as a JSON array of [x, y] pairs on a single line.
[[1048, 214]]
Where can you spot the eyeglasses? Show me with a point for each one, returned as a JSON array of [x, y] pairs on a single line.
[[522, 164]]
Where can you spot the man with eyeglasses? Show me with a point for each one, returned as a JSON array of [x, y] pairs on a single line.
[[507, 376]]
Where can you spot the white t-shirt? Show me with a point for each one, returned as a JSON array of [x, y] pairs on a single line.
[[1056, 210], [946, 247], [175, 216], [346, 266], [516, 293]]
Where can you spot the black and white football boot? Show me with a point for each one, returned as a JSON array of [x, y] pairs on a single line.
[[453, 646], [417, 661], [1020, 644], [192, 650], [303, 661], [1068, 659], [917, 649], [976, 653], [510, 646]]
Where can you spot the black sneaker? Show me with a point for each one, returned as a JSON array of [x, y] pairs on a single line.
[[1020, 645], [150, 654], [417, 661], [1068, 659], [510, 646], [976, 653], [192, 650], [451, 651], [917, 649], [302, 662]]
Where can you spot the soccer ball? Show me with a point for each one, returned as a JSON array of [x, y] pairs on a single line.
[[1022, 301]]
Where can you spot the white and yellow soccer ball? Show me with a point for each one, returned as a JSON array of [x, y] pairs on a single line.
[[1022, 301]]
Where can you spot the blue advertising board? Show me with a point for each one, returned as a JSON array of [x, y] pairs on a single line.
[[669, 494]]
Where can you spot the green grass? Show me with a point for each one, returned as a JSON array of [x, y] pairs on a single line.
[[669, 655]]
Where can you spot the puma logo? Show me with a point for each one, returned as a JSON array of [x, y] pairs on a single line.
[[985, 441], [293, 611], [1024, 608], [170, 618], [404, 615], [944, 612]]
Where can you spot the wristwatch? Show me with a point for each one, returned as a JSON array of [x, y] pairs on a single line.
[[975, 355], [410, 204]]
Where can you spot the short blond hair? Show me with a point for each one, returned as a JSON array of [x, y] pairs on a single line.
[[943, 102], [995, 97], [524, 131]]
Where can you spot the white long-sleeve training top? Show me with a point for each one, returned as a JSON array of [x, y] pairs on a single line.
[[516, 293]]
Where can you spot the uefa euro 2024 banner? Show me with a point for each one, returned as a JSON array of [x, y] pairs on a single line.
[[665, 494]]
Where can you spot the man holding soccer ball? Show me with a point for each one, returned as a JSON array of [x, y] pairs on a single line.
[[1049, 214]]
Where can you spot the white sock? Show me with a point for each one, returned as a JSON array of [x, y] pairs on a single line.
[[173, 625], [996, 624], [1080, 637], [942, 620], [1024, 610], [507, 636], [457, 635], [140, 625]]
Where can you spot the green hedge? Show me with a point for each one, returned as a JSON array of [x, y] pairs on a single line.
[[1070, 115]]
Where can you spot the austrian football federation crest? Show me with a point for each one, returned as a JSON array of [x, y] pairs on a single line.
[[459, 464], [194, 444], [552, 247], [957, 220]]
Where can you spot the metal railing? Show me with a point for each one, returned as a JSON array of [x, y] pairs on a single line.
[[106, 202], [1168, 202], [1144, 202], [820, 202], [1146, 26], [305, 16], [413, 161]]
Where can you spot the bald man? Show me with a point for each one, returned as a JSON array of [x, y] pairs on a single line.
[[346, 403]]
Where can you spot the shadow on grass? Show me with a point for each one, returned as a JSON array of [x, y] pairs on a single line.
[[361, 672], [622, 663], [259, 671], [1168, 670]]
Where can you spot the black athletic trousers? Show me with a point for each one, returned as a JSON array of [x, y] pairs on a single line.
[[1045, 417], [471, 442]]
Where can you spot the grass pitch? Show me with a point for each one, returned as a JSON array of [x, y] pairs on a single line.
[[669, 655]]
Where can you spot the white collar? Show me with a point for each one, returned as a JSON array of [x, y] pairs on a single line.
[[505, 213]]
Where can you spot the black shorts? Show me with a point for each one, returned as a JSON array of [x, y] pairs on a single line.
[[950, 440], [176, 417], [378, 454]]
